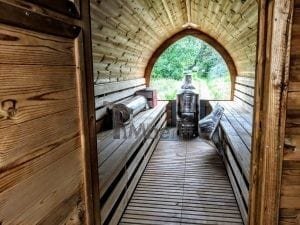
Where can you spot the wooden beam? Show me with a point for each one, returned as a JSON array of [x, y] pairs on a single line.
[[270, 106], [89, 125], [165, 4], [66, 7], [19, 17], [188, 10]]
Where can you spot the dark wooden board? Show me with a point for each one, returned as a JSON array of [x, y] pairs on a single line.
[[18, 17], [66, 7]]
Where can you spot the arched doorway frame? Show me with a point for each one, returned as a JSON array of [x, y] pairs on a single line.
[[203, 37]]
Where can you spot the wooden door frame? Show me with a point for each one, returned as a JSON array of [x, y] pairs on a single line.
[[272, 72], [92, 194]]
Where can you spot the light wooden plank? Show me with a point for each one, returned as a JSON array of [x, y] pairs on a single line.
[[244, 97], [42, 172], [21, 47], [239, 198], [240, 180], [244, 89], [240, 150], [36, 137], [101, 89], [247, 81], [35, 95], [102, 101], [107, 142], [243, 104]]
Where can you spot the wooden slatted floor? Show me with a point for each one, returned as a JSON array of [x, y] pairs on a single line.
[[185, 182]]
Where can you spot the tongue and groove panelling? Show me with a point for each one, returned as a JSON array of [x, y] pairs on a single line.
[[290, 186], [126, 33], [41, 134]]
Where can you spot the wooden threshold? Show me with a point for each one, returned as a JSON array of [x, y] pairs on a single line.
[[185, 182]]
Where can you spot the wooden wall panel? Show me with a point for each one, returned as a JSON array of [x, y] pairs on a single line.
[[40, 166], [290, 187], [125, 34], [44, 142], [40, 137]]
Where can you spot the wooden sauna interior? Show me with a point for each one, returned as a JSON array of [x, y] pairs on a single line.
[[62, 62]]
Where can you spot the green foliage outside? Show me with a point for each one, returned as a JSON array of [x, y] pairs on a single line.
[[210, 73]]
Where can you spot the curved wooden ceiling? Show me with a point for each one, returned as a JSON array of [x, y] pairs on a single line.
[[127, 32]]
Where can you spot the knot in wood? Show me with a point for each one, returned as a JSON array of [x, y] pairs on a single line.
[[8, 108]]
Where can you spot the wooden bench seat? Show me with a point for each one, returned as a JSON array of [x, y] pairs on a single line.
[[236, 132], [121, 160]]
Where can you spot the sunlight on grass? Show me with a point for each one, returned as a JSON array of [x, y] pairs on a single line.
[[211, 89], [210, 73]]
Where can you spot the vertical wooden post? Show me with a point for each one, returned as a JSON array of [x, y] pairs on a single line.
[[270, 103], [91, 122]]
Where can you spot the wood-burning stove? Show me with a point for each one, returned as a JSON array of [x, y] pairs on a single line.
[[187, 109]]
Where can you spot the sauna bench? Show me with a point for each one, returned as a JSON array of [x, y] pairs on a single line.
[[235, 133], [120, 161]]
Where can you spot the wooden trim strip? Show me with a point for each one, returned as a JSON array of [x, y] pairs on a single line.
[[91, 143], [15, 16]]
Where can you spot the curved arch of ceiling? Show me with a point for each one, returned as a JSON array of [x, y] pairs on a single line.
[[202, 36], [125, 34]]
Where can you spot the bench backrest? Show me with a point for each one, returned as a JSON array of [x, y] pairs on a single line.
[[244, 92]]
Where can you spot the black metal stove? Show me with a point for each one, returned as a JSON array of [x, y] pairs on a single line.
[[187, 108]]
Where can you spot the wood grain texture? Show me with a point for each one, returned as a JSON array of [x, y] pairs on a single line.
[[184, 183], [236, 132], [290, 186], [20, 47], [67, 7], [119, 160], [126, 33], [135, 170], [84, 61], [16, 16], [122, 148], [270, 110], [44, 143], [40, 141]]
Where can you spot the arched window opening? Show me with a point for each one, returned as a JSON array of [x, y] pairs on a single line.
[[211, 76]]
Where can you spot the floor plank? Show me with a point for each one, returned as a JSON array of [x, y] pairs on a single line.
[[185, 182]]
